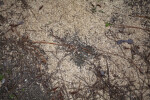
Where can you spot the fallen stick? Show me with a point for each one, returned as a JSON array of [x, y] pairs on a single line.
[[126, 26]]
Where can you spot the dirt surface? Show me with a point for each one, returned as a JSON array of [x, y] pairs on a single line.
[[75, 50]]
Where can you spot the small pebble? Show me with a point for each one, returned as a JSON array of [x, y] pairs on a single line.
[[120, 41], [102, 73], [129, 41], [20, 23]]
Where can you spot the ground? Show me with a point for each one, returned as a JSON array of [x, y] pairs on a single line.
[[75, 50]]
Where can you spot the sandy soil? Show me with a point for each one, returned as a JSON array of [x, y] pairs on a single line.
[[95, 23]]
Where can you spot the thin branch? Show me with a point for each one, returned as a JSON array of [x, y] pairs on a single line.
[[126, 26]]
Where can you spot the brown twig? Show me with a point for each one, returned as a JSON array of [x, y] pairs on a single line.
[[126, 26], [147, 17], [66, 45]]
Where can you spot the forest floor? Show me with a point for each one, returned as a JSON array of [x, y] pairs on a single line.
[[74, 50]]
